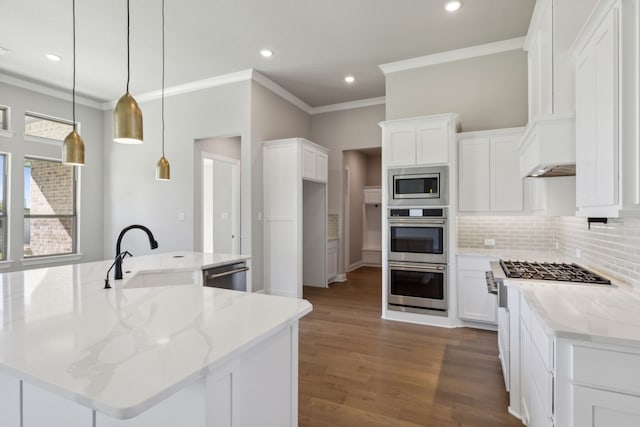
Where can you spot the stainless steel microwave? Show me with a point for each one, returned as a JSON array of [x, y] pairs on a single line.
[[419, 186]]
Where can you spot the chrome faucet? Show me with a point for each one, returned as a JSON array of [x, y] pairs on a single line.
[[152, 243]]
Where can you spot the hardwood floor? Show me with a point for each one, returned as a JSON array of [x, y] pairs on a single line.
[[359, 370]]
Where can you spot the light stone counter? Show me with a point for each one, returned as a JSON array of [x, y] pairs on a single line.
[[593, 313], [121, 351]]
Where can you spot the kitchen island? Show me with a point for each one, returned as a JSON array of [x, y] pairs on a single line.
[[75, 354]]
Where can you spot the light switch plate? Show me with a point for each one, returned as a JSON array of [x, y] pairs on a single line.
[[489, 242]]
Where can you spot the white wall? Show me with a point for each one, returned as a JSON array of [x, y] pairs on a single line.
[[489, 92], [132, 194], [345, 130], [91, 180], [272, 117]]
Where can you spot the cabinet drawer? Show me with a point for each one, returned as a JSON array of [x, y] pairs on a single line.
[[622, 371]]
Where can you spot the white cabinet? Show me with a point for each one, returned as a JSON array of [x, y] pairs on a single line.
[[419, 140], [550, 196], [295, 216], [474, 302], [597, 129], [332, 260], [600, 408], [488, 169], [314, 162]]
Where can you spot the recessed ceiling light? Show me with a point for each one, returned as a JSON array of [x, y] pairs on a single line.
[[4, 51], [349, 79], [452, 5], [266, 53], [53, 57]]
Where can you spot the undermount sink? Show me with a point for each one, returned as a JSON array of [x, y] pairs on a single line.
[[154, 278]]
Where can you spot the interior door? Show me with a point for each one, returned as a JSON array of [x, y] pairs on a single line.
[[221, 204]]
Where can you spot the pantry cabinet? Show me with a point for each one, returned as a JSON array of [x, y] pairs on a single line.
[[488, 169], [419, 141], [295, 216]]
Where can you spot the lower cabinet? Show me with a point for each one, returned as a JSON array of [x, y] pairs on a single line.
[[332, 260], [474, 302], [601, 408]]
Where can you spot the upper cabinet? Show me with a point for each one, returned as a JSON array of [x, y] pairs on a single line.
[[314, 162], [549, 140], [489, 179], [419, 140], [606, 54]]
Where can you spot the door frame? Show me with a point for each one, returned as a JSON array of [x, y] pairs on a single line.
[[235, 197], [346, 211]]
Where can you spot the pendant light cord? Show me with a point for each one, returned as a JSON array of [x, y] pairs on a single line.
[[162, 78], [128, 47], [73, 89]]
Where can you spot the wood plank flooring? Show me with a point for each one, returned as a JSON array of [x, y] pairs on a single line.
[[359, 370]]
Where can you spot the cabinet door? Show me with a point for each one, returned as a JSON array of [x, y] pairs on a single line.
[[432, 144], [474, 302], [597, 117], [474, 176], [506, 185], [309, 162], [321, 166], [540, 66], [400, 144], [599, 408], [332, 259]]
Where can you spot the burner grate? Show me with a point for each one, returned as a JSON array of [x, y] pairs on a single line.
[[551, 271]]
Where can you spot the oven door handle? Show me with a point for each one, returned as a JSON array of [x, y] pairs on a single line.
[[414, 222], [413, 267]]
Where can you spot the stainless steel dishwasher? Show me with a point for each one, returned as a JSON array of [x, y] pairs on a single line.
[[230, 276]]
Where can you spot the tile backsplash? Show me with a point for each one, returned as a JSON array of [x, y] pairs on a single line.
[[612, 248], [509, 232]]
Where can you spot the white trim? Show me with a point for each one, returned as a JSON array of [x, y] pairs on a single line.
[[6, 264], [454, 55], [348, 105], [56, 93], [340, 278], [194, 86], [7, 133], [43, 140], [50, 259], [492, 132], [280, 91]]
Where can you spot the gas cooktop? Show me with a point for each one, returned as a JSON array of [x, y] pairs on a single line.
[[551, 271]]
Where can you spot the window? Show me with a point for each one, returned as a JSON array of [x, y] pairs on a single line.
[[50, 220], [4, 118], [46, 127]]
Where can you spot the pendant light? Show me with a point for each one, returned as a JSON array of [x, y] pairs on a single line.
[[73, 146], [127, 117], [163, 170]]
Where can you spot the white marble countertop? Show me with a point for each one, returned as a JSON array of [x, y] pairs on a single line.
[[122, 350], [605, 314]]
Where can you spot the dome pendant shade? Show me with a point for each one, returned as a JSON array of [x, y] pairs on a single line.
[[163, 170], [73, 149], [127, 121]]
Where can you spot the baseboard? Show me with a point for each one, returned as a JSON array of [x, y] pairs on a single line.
[[478, 325], [261, 291], [354, 266], [340, 278], [370, 264]]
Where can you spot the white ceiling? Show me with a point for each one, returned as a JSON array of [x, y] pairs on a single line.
[[316, 43]]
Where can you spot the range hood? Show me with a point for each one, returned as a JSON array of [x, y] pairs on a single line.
[[548, 148]]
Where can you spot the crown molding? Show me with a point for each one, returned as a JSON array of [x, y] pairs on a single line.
[[194, 86], [280, 91], [454, 55], [45, 90], [348, 105]]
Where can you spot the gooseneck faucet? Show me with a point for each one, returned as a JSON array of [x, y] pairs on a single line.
[[152, 243]]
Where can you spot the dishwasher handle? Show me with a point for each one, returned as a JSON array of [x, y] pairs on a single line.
[[226, 273]]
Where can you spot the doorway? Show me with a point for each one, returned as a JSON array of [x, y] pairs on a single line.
[[220, 195]]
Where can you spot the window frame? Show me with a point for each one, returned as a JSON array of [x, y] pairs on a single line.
[[4, 215], [6, 130], [75, 237], [44, 139]]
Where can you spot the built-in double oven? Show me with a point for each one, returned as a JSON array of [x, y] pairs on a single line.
[[417, 255]]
